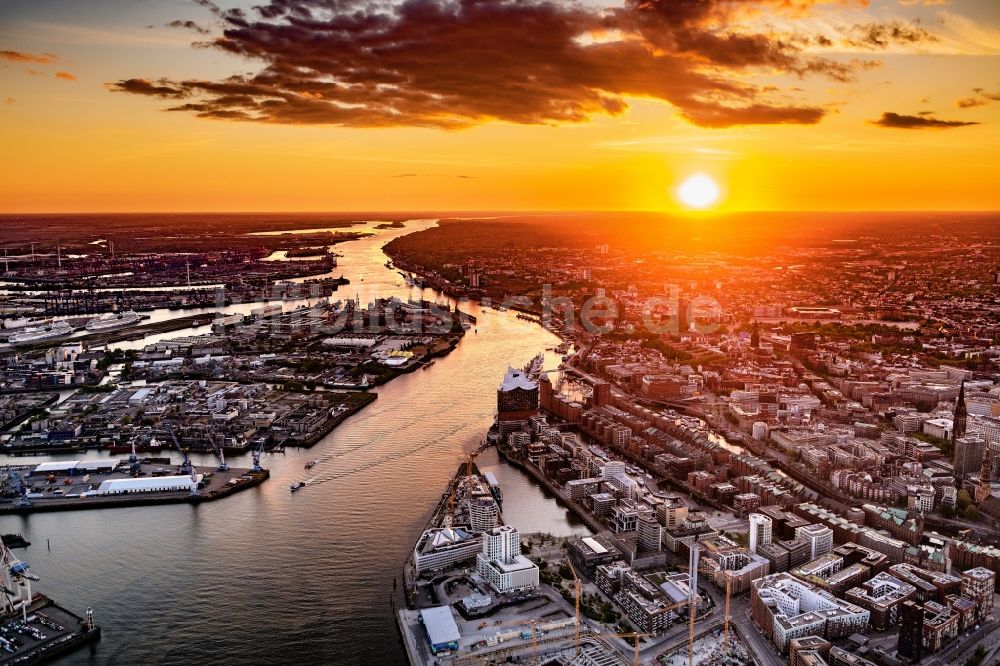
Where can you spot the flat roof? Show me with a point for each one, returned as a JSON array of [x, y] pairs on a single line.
[[440, 625], [595, 545]]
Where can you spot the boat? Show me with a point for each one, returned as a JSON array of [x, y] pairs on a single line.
[[57, 329], [295, 486], [112, 320], [311, 464]]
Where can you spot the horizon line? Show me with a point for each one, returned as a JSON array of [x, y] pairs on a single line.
[[682, 213]]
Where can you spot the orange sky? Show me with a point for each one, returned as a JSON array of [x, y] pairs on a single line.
[[892, 105]]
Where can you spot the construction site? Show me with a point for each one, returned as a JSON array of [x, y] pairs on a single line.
[[545, 610]]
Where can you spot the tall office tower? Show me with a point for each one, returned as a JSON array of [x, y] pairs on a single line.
[[969, 452], [911, 631], [755, 336], [760, 531]]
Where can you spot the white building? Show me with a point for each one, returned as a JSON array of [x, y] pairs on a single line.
[[502, 564], [760, 531], [819, 538], [153, 484]]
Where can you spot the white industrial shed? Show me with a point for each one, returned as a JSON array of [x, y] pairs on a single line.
[[75, 466], [155, 484]]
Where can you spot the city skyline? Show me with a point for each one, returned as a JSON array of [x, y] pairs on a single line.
[[452, 106]]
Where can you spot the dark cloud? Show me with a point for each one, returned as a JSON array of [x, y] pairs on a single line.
[[145, 87], [979, 98], [21, 56], [189, 25], [405, 175], [876, 36], [900, 121], [455, 63], [467, 177]]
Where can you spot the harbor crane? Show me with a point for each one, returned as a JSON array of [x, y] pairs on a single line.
[[257, 453], [20, 487], [223, 466], [15, 578], [186, 467]]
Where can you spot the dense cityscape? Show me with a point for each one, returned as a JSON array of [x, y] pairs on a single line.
[[500, 332], [757, 477]]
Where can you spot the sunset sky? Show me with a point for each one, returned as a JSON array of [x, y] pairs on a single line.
[[306, 105]]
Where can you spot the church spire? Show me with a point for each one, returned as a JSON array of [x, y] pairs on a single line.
[[960, 416]]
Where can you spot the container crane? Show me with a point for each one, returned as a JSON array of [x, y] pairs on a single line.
[[16, 580]]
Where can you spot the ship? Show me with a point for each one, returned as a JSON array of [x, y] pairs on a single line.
[[295, 486], [112, 320], [57, 329], [311, 464]]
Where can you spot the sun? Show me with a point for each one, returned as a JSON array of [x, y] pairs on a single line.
[[698, 191]]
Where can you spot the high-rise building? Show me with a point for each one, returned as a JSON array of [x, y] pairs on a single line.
[[760, 531], [977, 586], [501, 562], [911, 631], [969, 451], [602, 394], [484, 514], [819, 538], [755, 336]]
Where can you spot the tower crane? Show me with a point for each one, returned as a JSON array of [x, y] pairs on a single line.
[[15, 578], [576, 589]]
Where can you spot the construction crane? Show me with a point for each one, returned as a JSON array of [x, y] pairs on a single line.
[[470, 459], [576, 586], [16, 580]]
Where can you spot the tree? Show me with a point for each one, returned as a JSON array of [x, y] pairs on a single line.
[[977, 657], [964, 499], [971, 513]]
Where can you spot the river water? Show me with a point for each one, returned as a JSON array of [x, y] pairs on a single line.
[[267, 576]]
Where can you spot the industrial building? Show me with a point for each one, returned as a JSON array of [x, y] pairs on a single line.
[[442, 632]]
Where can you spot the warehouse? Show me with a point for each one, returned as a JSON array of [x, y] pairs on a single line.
[[442, 632], [156, 484], [75, 467]]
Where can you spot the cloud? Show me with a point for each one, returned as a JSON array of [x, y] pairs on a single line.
[[979, 98], [466, 177], [66, 76], [875, 36], [925, 3], [405, 175], [21, 56], [899, 121], [146, 87], [456, 63], [189, 25], [9, 101], [34, 72]]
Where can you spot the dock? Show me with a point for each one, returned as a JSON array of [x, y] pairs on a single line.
[[50, 631], [67, 492]]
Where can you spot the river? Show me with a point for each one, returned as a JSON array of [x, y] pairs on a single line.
[[267, 576]]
